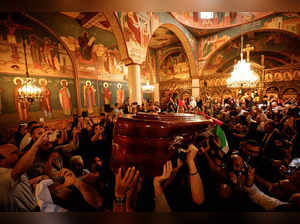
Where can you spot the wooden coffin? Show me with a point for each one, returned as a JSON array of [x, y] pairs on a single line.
[[144, 140]]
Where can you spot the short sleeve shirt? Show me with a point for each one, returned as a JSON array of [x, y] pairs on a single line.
[[16, 195]]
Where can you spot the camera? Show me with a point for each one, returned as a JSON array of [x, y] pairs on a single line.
[[84, 114], [52, 137]]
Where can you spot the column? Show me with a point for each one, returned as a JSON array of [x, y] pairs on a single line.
[[156, 92], [134, 83], [195, 88]]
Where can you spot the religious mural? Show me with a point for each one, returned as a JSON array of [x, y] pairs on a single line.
[[99, 96], [120, 94], [285, 21], [137, 33], [49, 65], [148, 68], [95, 57], [89, 93], [45, 102], [111, 93], [58, 99], [262, 41], [65, 97], [174, 66], [45, 54]]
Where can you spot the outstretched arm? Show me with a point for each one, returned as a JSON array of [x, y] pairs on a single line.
[[196, 184], [161, 204], [90, 195], [27, 159], [122, 186]]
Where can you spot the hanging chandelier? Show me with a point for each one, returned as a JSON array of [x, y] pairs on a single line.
[[29, 91], [148, 87], [242, 76]]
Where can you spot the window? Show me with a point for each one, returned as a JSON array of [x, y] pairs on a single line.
[[206, 15]]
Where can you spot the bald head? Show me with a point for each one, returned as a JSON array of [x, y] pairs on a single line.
[[8, 155]]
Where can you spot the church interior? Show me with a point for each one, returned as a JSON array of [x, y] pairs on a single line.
[[149, 111]]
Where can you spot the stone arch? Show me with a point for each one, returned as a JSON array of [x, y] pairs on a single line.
[[290, 93], [119, 35], [272, 92], [296, 75], [185, 44]]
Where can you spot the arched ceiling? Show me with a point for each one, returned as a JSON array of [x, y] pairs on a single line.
[[172, 61], [162, 37], [278, 47], [220, 21]]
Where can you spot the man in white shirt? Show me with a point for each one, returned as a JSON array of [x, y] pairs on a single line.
[[15, 190], [193, 102]]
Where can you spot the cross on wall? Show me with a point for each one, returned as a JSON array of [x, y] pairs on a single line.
[[247, 50]]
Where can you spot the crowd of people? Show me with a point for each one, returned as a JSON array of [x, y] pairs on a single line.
[[248, 160]]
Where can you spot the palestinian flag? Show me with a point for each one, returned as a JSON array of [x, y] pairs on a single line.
[[224, 144]]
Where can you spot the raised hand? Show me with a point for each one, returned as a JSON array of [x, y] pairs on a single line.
[[167, 170], [41, 139], [124, 183], [69, 176], [191, 154]]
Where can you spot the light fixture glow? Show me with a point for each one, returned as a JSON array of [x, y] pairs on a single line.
[[242, 76], [148, 87], [28, 91]]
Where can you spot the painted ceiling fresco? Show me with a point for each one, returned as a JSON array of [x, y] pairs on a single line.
[[220, 20], [278, 47], [94, 49], [162, 37], [285, 21]]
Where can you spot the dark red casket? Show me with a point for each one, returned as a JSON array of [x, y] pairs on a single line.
[[144, 140]]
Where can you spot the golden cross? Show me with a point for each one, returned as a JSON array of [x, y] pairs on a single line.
[[247, 50]]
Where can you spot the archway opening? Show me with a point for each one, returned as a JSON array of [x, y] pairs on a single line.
[[170, 62]]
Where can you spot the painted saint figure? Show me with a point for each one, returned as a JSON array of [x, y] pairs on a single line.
[[22, 106], [65, 97], [106, 97], [86, 45], [11, 37], [120, 94], [89, 96], [45, 100]]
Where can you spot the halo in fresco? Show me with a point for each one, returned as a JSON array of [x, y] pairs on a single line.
[[43, 80], [15, 80], [88, 82], [63, 80], [105, 85], [119, 85]]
